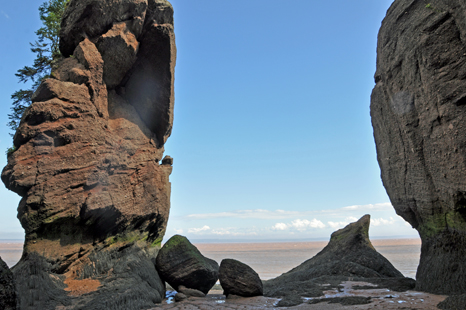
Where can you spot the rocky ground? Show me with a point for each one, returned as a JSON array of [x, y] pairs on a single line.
[[351, 295]]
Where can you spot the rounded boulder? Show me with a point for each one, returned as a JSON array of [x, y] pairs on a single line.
[[180, 263], [239, 279]]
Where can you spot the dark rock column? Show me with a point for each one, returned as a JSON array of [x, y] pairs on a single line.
[[418, 110]]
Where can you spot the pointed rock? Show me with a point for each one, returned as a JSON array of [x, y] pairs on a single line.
[[349, 253]]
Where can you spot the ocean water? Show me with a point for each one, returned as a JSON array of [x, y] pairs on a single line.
[[269, 259], [10, 251]]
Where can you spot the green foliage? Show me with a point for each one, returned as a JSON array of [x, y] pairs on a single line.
[[10, 150], [429, 6], [47, 54]]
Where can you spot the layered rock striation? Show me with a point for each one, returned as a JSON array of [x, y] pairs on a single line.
[[418, 110], [88, 165]]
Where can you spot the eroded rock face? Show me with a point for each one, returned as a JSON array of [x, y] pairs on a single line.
[[87, 163], [418, 107], [349, 254]]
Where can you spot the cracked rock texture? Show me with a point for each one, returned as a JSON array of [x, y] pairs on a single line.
[[418, 110], [88, 165]]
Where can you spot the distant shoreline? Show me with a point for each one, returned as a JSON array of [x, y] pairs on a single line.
[[202, 241]]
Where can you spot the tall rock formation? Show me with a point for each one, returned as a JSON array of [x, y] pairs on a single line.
[[418, 110], [95, 197]]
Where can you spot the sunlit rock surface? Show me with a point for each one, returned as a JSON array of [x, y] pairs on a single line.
[[88, 165], [418, 110]]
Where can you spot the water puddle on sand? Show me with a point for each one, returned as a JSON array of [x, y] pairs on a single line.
[[169, 297], [380, 296]]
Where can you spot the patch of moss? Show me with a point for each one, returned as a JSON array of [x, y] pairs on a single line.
[[156, 243], [127, 238], [438, 223]]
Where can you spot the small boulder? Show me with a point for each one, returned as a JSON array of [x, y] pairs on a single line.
[[180, 297], [7, 288], [190, 292], [290, 300], [180, 263], [239, 279]]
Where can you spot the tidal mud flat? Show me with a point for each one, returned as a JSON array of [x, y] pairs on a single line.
[[349, 296], [271, 259]]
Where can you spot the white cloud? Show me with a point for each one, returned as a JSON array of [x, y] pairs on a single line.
[[232, 232], [302, 225], [250, 214], [198, 230], [178, 231], [381, 221], [370, 207], [280, 226], [5, 14], [342, 224], [287, 214]]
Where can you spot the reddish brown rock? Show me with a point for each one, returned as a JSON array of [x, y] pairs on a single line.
[[95, 198]]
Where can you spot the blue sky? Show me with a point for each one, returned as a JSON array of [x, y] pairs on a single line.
[[272, 137]]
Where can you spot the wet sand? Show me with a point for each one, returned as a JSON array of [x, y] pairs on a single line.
[[380, 299]]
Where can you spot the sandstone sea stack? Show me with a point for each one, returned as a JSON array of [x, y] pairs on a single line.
[[418, 110], [88, 165]]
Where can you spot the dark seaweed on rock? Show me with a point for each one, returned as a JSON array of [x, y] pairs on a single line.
[[7, 288], [348, 256]]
